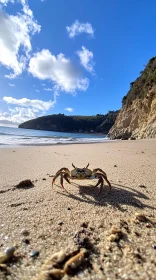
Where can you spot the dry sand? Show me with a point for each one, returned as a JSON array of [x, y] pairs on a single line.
[[58, 220]]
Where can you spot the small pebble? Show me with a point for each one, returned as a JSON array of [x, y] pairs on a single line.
[[34, 253], [7, 254], [84, 225], [68, 208], [6, 237], [140, 217], [154, 247], [148, 225], [24, 232], [9, 251], [26, 241], [113, 237], [44, 179], [115, 165], [60, 223]]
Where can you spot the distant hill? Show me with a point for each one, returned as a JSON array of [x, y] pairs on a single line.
[[60, 122], [137, 117]]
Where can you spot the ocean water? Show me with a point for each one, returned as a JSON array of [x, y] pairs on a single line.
[[11, 136]]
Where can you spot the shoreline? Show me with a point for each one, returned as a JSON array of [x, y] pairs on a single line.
[[8, 146], [57, 144], [57, 220]]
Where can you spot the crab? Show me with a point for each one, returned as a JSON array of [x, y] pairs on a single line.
[[81, 174]]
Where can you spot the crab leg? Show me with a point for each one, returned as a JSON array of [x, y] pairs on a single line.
[[63, 169], [55, 177], [105, 177], [100, 170], [61, 180], [101, 186], [66, 177], [99, 181]]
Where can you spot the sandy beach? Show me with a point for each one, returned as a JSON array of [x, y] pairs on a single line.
[[119, 243]]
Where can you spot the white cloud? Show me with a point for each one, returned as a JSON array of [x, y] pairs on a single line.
[[37, 90], [86, 59], [60, 70], [69, 109], [18, 115], [15, 38], [5, 2], [77, 28], [25, 109], [11, 85], [25, 102], [48, 89]]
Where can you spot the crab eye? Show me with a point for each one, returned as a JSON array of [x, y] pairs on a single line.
[[80, 170]]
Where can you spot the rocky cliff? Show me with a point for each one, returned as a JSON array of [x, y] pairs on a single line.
[[137, 118]]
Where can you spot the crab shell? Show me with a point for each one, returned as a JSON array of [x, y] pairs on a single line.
[[81, 173]]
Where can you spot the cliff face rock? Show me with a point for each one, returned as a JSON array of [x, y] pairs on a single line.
[[137, 118]]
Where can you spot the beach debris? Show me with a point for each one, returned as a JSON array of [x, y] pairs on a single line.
[[51, 274], [81, 174], [15, 204], [44, 179], [115, 165], [58, 257], [141, 217], [24, 232], [4, 191], [154, 247], [142, 186], [81, 239], [74, 262], [7, 254], [34, 253], [61, 264], [24, 184], [115, 234], [68, 208]]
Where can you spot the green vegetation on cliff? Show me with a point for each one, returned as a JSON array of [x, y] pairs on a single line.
[[142, 84], [60, 122]]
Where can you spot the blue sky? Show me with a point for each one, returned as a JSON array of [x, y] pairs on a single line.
[[71, 57]]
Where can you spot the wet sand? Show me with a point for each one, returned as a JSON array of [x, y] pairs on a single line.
[[80, 218]]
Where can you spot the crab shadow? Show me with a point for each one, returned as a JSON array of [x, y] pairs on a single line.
[[118, 196]]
